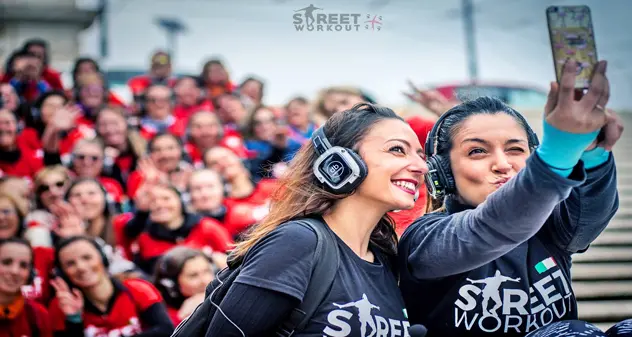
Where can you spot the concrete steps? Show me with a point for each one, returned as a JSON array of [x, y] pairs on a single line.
[[602, 277]]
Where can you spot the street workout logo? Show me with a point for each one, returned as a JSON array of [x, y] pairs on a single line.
[[486, 306], [371, 325], [333, 22]]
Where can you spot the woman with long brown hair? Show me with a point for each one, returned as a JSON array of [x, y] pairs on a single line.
[[361, 164]]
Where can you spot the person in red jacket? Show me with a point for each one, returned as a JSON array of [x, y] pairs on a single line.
[[181, 276], [159, 73], [16, 159], [87, 161], [158, 113], [242, 188], [89, 302], [19, 316], [207, 191], [165, 162], [39, 48], [124, 146], [190, 98], [86, 65], [162, 222], [51, 111], [24, 73], [90, 94], [216, 79]]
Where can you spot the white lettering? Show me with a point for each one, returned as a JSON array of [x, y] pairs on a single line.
[[382, 326], [550, 316], [465, 294], [495, 328], [532, 324], [534, 300], [406, 325], [508, 325], [334, 319], [557, 313], [395, 328], [519, 305], [545, 292], [457, 320], [558, 274]]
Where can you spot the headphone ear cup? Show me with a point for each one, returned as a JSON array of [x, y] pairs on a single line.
[[364, 170], [445, 171]]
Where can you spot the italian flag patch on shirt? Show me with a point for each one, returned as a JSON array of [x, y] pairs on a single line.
[[545, 265]]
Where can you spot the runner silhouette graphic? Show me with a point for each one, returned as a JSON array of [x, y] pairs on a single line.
[[364, 314], [492, 291], [309, 13]]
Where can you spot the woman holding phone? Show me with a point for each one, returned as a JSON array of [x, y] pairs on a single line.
[[495, 258]]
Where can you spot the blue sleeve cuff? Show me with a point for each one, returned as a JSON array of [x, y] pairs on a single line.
[[74, 318], [595, 157], [562, 150]]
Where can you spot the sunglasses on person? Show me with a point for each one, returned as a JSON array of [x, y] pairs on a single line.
[[82, 157], [45, 188]]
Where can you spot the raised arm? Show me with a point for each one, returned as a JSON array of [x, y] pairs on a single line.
[[587, 211], [439, 245]]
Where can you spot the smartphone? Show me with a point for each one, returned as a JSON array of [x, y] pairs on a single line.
[[572, 37]]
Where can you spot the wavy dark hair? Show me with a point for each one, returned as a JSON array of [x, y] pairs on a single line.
[[302, 195]]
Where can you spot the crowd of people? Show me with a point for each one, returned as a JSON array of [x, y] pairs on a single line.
[[115, 216]]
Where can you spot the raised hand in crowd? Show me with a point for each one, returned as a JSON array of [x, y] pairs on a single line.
[[150, 172], [586, 115], [69, 220], [70, 300], [64, 118], [144, 196], [180, 178], [430, 99]]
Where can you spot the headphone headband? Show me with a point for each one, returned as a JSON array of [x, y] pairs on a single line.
[[429, 147], [320, 141]]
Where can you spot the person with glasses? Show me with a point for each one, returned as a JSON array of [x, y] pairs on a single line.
[[157, 113], [51, 184], [90, 95], [87, 161]]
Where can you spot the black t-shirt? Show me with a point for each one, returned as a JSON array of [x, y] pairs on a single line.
[[523, 290], [364, 300]]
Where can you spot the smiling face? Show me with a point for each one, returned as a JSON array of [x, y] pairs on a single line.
[[88, 199], [395, 163], [487, 151], [15, 266], [166, 206], [196, 274], [83, 264]]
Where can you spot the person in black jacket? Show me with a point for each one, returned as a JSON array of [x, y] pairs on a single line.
[[363, 163], [495, 258]]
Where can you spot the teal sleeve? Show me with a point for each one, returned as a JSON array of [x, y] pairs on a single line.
[[561, 150], [595, 157]]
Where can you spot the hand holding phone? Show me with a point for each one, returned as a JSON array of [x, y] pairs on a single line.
[[572, 37]]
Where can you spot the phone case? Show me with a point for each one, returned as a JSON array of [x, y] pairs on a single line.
[[572, 36]]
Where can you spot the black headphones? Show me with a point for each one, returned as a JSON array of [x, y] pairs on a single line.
[[439, 180], [58, 271], [339, 169]]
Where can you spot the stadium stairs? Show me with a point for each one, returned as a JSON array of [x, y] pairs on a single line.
[[602, 276]]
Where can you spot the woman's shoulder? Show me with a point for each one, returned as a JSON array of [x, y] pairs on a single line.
[[291, 238], [422, 223]]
